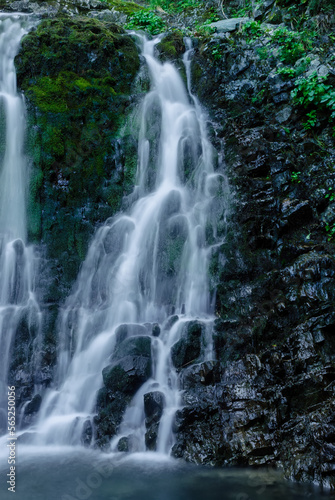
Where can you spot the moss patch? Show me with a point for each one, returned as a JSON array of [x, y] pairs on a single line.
[[172, 46]]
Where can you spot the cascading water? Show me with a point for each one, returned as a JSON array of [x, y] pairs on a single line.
[[144, 267], [18, 305]]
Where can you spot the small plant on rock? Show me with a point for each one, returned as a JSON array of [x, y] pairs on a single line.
[[330, 228], [330, 195], [286, 72], [295, 177], [311, 121]]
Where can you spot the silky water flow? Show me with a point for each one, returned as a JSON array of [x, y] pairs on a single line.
[[146, 270], [19, 309]]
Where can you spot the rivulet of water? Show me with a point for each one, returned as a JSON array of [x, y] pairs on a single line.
[[18, 305], [143, 265]]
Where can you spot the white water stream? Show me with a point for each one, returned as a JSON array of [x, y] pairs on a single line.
[[18, 305], [142, 266]]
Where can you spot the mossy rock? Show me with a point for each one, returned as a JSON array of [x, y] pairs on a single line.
[[77, 75], [171, 47]]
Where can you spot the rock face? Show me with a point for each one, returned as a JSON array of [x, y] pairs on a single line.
[[268, 399]]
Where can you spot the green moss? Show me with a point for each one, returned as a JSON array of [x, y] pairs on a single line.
[[48, 94], [77, 74], [172, 46], [34, 204]]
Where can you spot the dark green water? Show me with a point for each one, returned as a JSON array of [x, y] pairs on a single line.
[[81, 475]]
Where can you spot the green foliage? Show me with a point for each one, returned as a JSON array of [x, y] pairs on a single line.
[[302, 65], [217, 52], [295, 177], [312, 91], [176, 6], [292, 45], [205, 12], [253, 29], [311, 121], [330, 228], [330, 195], [204, 30], [286, 72], [305, 8], [146, 20]]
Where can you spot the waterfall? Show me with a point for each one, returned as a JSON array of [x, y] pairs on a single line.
[[146, 272], [19, 310]]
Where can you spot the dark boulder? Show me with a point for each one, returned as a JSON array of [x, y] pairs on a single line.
[[130, 368], [188, 348], [123, 444], [154, 403]]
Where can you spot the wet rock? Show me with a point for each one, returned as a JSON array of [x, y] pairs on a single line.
[[128, 374], [154, 403], [123, 444], [34, 405], [151, 437], [156, 330], [129, 330], [207, 373], [171, 204], [240, 66], [111, 405], [188, 348], [328, 216], [171, 47], [133, 346], [108, 15], [27, 437], [296, 212], [130, 368], [87, 433], [170, 322], [115, 237]]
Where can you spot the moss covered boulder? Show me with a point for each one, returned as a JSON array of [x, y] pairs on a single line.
[[77, 76]]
